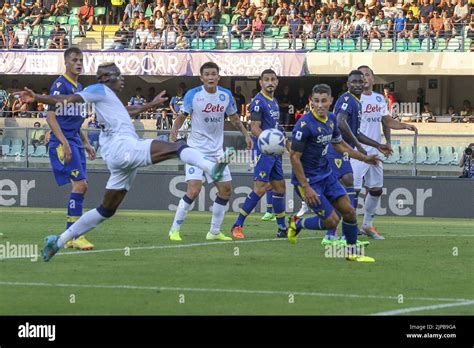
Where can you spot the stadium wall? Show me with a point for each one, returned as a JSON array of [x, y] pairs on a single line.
[[403, 196]]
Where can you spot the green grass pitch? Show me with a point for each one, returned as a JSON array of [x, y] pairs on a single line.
[[423, 267]]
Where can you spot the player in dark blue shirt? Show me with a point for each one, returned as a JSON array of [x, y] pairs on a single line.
[[264, 114], [348, 111], [312, 176], [67, 144]]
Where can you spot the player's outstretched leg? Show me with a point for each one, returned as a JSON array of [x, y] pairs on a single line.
[[371, 201], [269, 216]]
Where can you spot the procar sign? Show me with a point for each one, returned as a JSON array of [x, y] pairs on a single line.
[[402, 196]]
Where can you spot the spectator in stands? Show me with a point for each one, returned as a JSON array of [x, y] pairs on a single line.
[[335, 26], [399, 25], [225, 6], [257, 26], [159, 5], [3, 40], [390, 10], [37, 135], [49, 5], [182, 42], [381, 26], [20, 109], [426, 9], [137, 99], [134, 22], [61, 8], [47, 138], [280, 15], [239, 100], [389, 98], [159, 22], [243, 26], [206, 27], [3, 99], [461, 13], [466, 111], [333, 8], [58, 37], [451, 112], [427, 114], [413, 7], [243, 4], [307, 11], [115, 9], [176, 103], [93, 135], [467, 163], [320, 25], [284, 100], [436, 25], [85, 17], [9, 13], [295, 26], [300, 102], [177, 24], [213, 10], [411, 27], [121, 37], [168, 38], [21, 39], [470, 30], [131, 8], [448, 26], [141, 36], [38, 13], [191, 25], [446, 5], [41, 109], [308, 30], [26, 6]]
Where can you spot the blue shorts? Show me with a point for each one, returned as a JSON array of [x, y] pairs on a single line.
[[339, 163], [268, 168], [329, 189], [65, 172]]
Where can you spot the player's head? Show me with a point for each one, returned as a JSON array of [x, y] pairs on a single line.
[[321, 99], [268, 81], [355, 82], [210, 75], [109, 74], [369, 77], [73, 60]]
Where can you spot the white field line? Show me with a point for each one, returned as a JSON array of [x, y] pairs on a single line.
[[425, 308], [235, 291], [179, 246]]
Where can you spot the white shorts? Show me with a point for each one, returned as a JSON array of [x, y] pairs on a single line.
[[196, 173], [124, 158], [367, 174]]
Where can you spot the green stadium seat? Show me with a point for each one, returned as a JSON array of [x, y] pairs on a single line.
[[440, 44], [49, 20], [72, 20], [446, 156], [406, 155], [269, 43], [433, 155], [269, 31], [247, 44], [148, 12], [235, 44], [270, 19], [282, 43], [310, 44], [401, 45], [374, 45], [225, 19], [17, 141], [322, 45], [62, 19], [99, 11], [348, 45], [194, 44], [283, 30], [361, 45], [421, 154], [257, 44], [386, 45], [30, 149], [424, 45], [414, 45], [394, 157], [298, 44], [74, 11], [453, 44], [467, 44], [335, 45]]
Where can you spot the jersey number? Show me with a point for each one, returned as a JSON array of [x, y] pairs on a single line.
[[298, 135], [325, 151]]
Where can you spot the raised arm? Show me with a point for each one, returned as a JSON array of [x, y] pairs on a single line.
[[28, 96], [134, 110]]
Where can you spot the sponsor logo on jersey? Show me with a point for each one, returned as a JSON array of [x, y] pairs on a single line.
[[212, 119], [338, 162], [324, 138], [221, 97], [75, 172], [213, 108], [369, 108], [378, 98]]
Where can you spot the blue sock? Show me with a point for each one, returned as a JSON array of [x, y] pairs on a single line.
[[269, 201], [352, 196], [279, 209], [350, 231], [250, 203], [312, 223], [74, 208]]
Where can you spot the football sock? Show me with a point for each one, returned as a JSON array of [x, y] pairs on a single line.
[[279, 209], [184, 206], [218, 212], [352, 196], [195, 158], [269, 201], [312, 223], [349, 229], [330, 234], [250, 203], [74, 208], [85, 223], [371, 202]]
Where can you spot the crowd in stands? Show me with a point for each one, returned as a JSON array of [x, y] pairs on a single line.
[[171, 24]]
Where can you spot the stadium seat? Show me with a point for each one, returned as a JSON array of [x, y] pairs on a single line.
[[322, 45], [386, 45], [298, 44], [424, 45], [247, 44], [40, 152], [148, 12], [361, 45], [62, 19], [209, 44], [446, 155], [421, 154], [453, 45], [99, 11], [406, 155], [433, 155], [225, 19], [348, 45], [394, 157], [30, 149], [283, 30], [72, 20], [270, 32], [257, 44], [5, 149], [6, 141], [270, 19], [309, 44], [440, 44], [401, 45], [194, 44], [282, 43], [374, 45], [74, 11], [457, 155], [467, 44], [49, 20], [235, 44], [15, 150], [269, 43], [17, 141], [413, 45], [335, 45]]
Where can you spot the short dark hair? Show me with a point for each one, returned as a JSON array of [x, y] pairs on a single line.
[[267, 71], [72, 50], [366, 67], [321, 88], [355, 72], [209, 65]]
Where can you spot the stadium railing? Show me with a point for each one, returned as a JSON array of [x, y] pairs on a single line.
[[270, 38]]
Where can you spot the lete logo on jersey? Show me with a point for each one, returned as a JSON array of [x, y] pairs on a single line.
[[213, 108], [369, 108]]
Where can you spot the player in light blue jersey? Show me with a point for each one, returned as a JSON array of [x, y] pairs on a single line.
[[312, 174], [67, 144], [207, 105], [264, 114], [123, 150]]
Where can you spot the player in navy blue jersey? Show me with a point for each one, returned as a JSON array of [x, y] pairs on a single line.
[[264, 114], [67, 144], [312, 175], [348, 111]]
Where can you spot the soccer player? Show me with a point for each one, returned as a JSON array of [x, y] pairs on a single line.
[[264, 114], [348, 111], [207, 106], [123, 151], [67, 144], [312, 175], [374, 112]]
